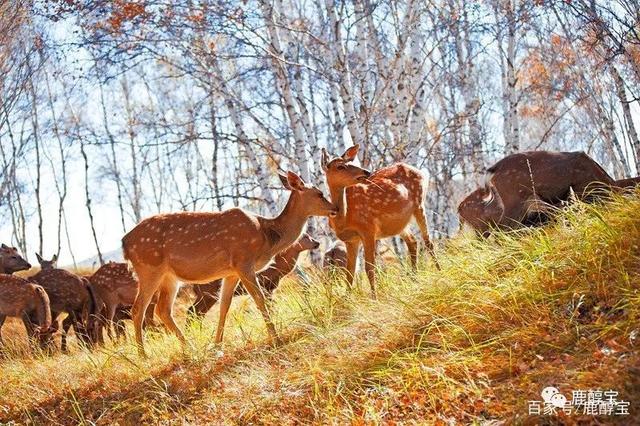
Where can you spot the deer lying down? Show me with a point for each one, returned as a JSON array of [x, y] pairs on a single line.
[[11, 261], [203, 247], [336, 256], [524, 188], [67, 293], [22, 299], [207, 294]]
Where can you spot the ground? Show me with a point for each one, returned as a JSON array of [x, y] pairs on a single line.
[[475, 342]]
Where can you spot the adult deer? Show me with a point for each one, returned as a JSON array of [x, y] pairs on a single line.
[[374, 206], [526, 186], [202, 247], [22, 299], [269, 279], [67, 293], [11, 261]]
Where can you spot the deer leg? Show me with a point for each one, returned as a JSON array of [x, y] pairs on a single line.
[[412, 247], [421, 220], [66, 325], [164, 307], [226, 295], [369, 244], [147, 287], [109, 315], [352, 259], [206, 297], [3, 317], [250, 283]]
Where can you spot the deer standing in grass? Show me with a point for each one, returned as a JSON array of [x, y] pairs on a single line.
[[116, 289], [11, 261], [22, 299], [68, 293], [207, 294], [375, 205], [202, 247]]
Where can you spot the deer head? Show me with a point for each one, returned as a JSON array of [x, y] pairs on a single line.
[[309, 200], [11, 261], [308, 243], [46, 265], [481, 209], [340, 172]]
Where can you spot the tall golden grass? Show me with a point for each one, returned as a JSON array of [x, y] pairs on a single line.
[[472, 343]]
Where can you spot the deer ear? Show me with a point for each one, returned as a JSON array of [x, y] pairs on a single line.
[[350, 153], [39, 258], [54, 258], [4, 246], [284, 181], [324, 159], [295, 182]]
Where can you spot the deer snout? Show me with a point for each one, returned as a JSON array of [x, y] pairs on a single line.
[[314, 244]]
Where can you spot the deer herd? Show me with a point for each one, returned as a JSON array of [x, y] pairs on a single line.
[[215, 251]]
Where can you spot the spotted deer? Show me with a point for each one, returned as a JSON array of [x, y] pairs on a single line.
[[11, 261], [116, 289], [202, 247], [372, 206], [21, 299], [335, 256], [521, 189], [67, 293], [283, 263]]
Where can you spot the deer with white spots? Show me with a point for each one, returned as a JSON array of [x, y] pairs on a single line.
[[202, 247], [372, 206]]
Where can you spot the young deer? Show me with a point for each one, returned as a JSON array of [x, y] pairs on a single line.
[[22, 299], [116, 288], [336, 256], [374, 206], [67, 293], [202, 247], [207, 294], [11, 261]]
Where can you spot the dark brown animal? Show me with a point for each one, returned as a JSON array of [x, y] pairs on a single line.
[[336, 256], [116, 288], [207, 294], [523, 185], [22, 299], [71, 294], [203, 247], [11, 261], [375, 206]]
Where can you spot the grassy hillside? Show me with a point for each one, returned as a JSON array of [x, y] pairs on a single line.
[[471, 343]]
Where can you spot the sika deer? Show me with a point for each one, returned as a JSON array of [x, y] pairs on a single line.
[[202, 247], [207, 294], [336, 256], [11, 261], [116, 288], [68, 293], [522, 186], [375, 206], [22, 299]]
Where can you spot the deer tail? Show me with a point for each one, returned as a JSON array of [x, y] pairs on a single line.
[[43, 308]]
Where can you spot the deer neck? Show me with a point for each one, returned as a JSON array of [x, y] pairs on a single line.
[[286, 261], [286, 228], [338, 200]]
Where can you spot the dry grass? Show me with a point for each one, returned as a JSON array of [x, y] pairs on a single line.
[[469, 344]]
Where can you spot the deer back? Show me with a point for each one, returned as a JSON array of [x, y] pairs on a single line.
[[67, 291]]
